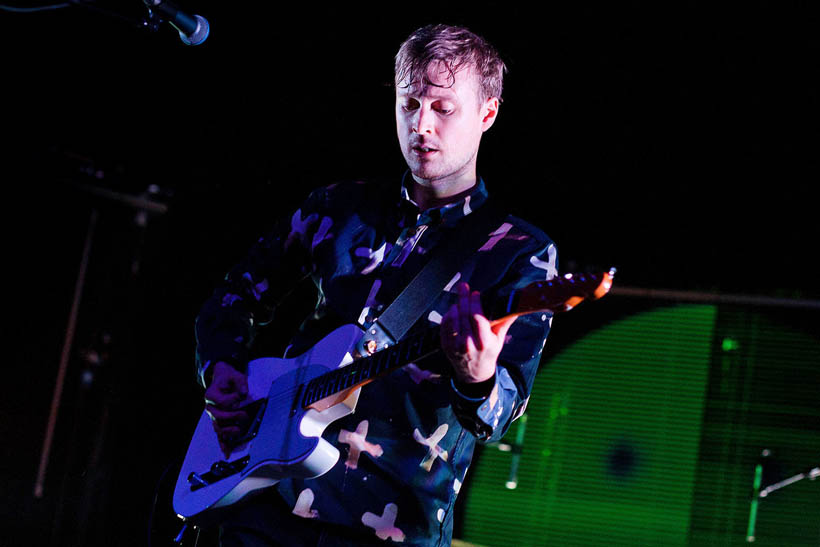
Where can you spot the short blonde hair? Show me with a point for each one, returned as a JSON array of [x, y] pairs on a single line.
[[457, 48]]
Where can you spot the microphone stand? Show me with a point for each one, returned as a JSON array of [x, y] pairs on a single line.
[[152, 21], [65, 354], [810, 474], [758, 494], [144, 205], [138, 22]]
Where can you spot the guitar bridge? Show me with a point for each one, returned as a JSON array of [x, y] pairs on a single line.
[[222, 469], [218, 471]]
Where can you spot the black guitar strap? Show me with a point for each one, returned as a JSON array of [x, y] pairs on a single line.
[[446, 259]]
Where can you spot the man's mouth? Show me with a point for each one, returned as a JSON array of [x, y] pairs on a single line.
[[420, 149]]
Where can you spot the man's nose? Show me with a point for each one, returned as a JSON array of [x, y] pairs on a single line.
[[423, 122]]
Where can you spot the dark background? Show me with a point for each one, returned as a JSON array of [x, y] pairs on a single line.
[[675, 141]]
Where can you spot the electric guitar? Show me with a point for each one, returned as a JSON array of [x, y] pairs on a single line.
[[292, 401]]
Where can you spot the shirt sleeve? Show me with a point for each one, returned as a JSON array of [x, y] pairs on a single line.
[[249, 294], [489, 415]]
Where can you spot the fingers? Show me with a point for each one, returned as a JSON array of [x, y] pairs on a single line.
[[484, 332], [464, 328], [228, 425], [223, 400], [233, 382], [465, 325], [227, 419], [228, 388], [471, 318], [476, 316], [450, 328], [241, 384], [460, 325]]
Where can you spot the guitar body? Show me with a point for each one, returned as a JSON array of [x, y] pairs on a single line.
[[286, 439]]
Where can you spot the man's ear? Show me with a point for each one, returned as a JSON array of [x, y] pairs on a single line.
[[489, 112]]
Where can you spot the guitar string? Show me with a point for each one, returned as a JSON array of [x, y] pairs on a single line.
[[417, 340], [380, 367]]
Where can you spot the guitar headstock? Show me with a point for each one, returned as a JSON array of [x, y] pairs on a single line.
[[563, 293]]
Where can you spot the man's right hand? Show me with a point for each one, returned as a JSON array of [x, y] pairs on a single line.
[[225, 393]]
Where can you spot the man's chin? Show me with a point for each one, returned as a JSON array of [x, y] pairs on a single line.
[[425, 173]]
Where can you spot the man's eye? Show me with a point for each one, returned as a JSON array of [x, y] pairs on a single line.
[[410, 105]]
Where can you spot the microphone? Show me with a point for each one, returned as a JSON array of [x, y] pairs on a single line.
[[193, 29]]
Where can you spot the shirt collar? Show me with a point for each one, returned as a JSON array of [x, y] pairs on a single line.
[[450, 213]]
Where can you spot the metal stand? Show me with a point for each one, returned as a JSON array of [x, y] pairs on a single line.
[[91, 392], [64, 357], [758, 494]]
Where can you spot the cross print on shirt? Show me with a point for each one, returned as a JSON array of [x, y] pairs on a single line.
[[303, 505], [299, 227], [549, 265], [322, 233], [503, 232], [376, 257], [358, 444], [385, 525], [431, 442]]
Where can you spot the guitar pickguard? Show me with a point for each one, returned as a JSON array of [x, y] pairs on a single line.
[[288, 442]]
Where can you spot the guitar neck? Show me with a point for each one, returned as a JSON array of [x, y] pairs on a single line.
[[557, 295], [414, 347]]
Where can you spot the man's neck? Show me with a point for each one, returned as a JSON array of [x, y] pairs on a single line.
[[430, 196]]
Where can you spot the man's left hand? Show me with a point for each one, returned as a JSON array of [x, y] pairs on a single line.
[[468, 339]]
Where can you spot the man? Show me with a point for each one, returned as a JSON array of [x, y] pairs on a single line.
[[406, 448]]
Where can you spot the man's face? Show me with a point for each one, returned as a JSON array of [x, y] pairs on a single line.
[[440, 126]]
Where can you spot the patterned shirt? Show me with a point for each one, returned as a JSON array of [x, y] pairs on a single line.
[[406, 448]]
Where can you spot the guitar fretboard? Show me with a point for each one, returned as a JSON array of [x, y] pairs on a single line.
[[413, 348]]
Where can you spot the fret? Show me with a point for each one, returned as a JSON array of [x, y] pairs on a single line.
[[393, 359], [405, 352], [343, 380], [416, 346], [431, 341], [351, 375], [379, 362], [365, 368], [333, 384], [328, 386], [311, 394], [321, 384], [306, 396], [404, 349]]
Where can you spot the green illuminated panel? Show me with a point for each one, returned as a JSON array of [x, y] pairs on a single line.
[[763, 395], [611, 441]]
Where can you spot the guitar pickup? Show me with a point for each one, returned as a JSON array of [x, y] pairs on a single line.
[[218, 471]]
